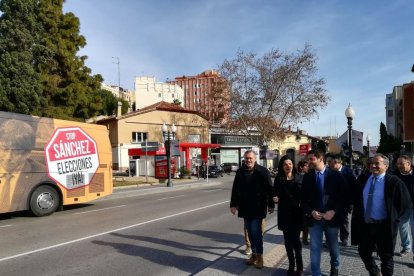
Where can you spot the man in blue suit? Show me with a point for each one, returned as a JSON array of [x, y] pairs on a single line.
[[323, 204]]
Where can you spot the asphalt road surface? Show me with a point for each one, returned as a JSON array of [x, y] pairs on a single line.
[[135, 231]]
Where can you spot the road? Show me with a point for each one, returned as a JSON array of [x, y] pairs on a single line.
[[135, 231]]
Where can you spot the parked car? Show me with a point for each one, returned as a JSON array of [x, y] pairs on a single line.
[[230, 167], [214, 171]]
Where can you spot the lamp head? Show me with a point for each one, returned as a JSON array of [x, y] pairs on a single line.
[[164, 128], [349, 112], [368, 138], [174, 128]]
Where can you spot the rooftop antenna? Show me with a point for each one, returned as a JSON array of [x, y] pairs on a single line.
[[119, 73]]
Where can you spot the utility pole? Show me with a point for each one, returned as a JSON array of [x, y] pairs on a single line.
[[119, 75]]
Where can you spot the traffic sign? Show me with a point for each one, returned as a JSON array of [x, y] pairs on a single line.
[[71, 157], [149, 146]]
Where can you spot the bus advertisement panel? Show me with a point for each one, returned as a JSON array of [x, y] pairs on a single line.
[[46, 163]]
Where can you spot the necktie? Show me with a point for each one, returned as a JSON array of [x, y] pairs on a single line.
[[319, 176], [370, 196]]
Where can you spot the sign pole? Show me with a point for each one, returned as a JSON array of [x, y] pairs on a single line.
[[146, 162]]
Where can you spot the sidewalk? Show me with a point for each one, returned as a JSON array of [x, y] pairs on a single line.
[[276, 262], [134, 184], [351, 264], [140, 181], [275, 259]]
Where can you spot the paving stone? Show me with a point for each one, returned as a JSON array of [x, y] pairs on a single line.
[[276, 263]]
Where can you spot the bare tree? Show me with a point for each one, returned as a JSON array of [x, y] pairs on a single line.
[[270, 93]]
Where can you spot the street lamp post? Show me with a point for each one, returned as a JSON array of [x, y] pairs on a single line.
[[265, 153], [368, 139], [350, 113], [168, 135]]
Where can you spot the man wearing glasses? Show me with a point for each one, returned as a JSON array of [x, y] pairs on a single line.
[[380, 200], [405, 173]]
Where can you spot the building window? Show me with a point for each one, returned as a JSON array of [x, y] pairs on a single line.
[[194, 138], [172, 95], [138, 137], [390, 113], [159, 95]]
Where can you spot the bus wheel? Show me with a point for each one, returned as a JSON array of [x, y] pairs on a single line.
[[44, 201]]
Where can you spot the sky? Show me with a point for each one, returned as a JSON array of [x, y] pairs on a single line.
[[364, 48]]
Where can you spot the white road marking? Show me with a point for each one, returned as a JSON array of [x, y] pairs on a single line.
[[108, 232], [97, 210], [207, 191], [170, 197], [5, 225]]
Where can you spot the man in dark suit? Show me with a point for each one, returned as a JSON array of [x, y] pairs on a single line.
[[322, 202], [380, 201], [335, 163]]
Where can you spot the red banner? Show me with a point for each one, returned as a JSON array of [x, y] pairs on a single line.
[[161, 167], [303, 149]]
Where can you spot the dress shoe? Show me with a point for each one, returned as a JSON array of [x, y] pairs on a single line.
[[334, 272], [404, 252], [299, 273]]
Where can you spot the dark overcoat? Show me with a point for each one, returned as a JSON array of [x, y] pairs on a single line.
[[334, 196], [350, 180], [397, 200], [252, 192], [408, 181], [289, 210]]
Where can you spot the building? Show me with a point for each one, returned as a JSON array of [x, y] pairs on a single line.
[[149, 92], [393, 110], [233, 145], [408, 113], [120, 93], [205, 93], [296, 144], [332, 146], [130, 130]]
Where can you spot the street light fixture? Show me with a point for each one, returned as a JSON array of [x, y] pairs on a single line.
[[168, 137], [368, 140], [350, 113], [265, 152]]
